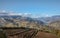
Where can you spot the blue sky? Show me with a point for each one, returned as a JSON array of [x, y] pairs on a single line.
[[35, 7]]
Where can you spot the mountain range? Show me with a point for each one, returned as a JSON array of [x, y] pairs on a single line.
[[8, 20], [50, 19]]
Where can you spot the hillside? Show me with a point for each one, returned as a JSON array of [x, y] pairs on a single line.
[[19, 21], [26, 33]]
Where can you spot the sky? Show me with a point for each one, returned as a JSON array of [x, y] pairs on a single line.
[[37, 8]]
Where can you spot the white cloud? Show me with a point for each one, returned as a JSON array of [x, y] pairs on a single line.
[[35, 16], [27, 14], [22, 14], [47, 15], [15, 13], [2, 11]]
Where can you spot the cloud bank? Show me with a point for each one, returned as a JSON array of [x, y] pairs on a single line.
[[4, 12]]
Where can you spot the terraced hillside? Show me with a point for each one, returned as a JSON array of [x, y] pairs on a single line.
[[26, 33]]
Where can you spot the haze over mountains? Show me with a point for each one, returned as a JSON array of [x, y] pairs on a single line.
[[44, 19], [50, 19], [10, 19]]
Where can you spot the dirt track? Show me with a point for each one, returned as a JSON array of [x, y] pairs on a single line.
[[45, 35]]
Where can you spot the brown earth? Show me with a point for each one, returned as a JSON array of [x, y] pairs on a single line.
[[45, 35]]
